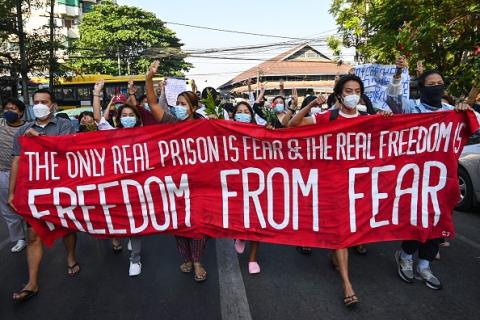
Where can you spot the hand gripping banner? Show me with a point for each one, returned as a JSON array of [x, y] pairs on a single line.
[[354, 181]]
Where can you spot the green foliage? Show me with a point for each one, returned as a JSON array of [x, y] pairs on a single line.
[[110, 31], [270, 115], [210, 106], [442, 34]]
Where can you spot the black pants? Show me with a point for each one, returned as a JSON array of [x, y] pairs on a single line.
[[426, 250]]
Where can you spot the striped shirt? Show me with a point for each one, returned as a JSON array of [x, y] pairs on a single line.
[[7, 134]]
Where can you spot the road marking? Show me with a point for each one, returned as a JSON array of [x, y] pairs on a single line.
[[4, 243], [233, 297], [468, 241]]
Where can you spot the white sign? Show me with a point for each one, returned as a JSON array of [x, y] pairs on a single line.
[[173, 88], [376, 78]]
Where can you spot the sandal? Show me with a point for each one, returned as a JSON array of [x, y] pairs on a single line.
[[186, 267], [361, 250], [73, 270], [305, 251], [202, 277], [24, 295], [350, 301]]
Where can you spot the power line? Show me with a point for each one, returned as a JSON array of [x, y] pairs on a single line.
[[238, 32]]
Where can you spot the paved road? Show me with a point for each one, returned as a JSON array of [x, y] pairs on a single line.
[[290, 286]]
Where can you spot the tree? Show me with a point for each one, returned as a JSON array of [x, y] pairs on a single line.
[[113, 40], [443, 34]]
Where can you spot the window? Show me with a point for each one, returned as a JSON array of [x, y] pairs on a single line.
[[84, 93]]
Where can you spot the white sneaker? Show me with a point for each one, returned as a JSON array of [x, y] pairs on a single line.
[[129, 245], [19, 246], [135, 269]]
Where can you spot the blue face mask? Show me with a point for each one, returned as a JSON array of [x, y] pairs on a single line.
[[180, 112], [279, 108], [11, 116], [146, 106], [128, 122], [243, 117]]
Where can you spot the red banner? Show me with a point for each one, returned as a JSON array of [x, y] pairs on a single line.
[[363, 180]]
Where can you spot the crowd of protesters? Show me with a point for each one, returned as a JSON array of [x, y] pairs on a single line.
[[348, 101]]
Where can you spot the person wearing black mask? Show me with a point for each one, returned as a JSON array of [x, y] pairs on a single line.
[[431, 85], [13, 110]]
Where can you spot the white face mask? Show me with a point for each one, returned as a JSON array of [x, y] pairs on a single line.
[[41, 111], [315, 110], [351, 101]]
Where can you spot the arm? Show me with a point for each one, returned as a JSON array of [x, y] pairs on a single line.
[[13, 181], [106, 114], [251, 97], [301, 119], [132, 90], [292, 109], [256, 106], [157, 111], [97, 104], [472, 95], [394, 97], [282, 88]]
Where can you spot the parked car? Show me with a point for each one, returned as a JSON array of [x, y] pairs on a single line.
[[469, 174]]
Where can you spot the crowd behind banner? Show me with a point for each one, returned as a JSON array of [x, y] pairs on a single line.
[[379, 90]]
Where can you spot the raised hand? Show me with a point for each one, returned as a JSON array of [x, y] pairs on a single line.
[[320, 100], [132, 89], [462, 107], [294, 98], [153, 69], [97, 89]]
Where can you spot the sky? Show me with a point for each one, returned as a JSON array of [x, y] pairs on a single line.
[[304, 19]]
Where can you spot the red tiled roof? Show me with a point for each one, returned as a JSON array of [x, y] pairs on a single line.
[[280, 66]]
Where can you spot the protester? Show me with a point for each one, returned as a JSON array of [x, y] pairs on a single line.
[[432, 88], [13, 110], [128, 117], [243, 112], [348, 91], [140, 104], [45, 124], [190, 249], [282, 115]]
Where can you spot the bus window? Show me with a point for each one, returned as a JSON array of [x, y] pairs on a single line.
[[68, 93], [84, 93]]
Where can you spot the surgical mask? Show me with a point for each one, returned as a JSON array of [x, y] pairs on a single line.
[[11, 116], [180, 112], [128, 122], [41, 111], [432, 95], [146, 106], [279, 108], [351, 101], [243, 117], [315, 110]]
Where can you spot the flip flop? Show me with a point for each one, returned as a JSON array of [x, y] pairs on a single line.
[[200, 278], [25, 295], [71, 270], [186, 267], [350, 301]]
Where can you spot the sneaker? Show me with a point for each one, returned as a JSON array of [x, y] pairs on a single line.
[[135, 269], [429, 279], [19, 246], [240, 246], [129, 245], [253, 267], [404, 268]]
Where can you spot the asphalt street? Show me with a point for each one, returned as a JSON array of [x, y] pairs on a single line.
[[290, 286]]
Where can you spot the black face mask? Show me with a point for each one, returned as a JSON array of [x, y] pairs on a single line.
[[432, 95]]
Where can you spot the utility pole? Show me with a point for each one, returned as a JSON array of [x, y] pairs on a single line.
[[51, 68], [23, 58]]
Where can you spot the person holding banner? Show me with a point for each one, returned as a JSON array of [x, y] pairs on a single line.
[[431, 85], [243, 112], [191, 250], [128, 117], [45, 124], [348, 91], [283, 113], [13, 110]]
